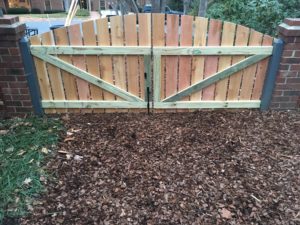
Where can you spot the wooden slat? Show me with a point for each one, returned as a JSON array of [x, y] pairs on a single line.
[[132, 61], [75, 39], [261, 71], [185, 62], [69, 81], [42, 75], [158, 39], [92, 62], [117, 39], [211, 62], [242, 37], [216, 77], [228, 35], [106, 68], [145, 40], [172, 39], [249, 73], [54, 73], [198, 61]]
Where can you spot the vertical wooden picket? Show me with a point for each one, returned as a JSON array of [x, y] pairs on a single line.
[[228, 36], [185, 62], [200, 34], [105, 62], [75, 39], [241, 39], [42, 75], [69, 81], [172, 39], [92, 66], [211, 62], [249, 73], [261, 71]]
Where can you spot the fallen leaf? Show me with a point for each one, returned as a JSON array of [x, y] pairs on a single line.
[[226, 214], [45, 150], [69, 139], [3, 132], [10, 149], [27, 181], [78, 157]]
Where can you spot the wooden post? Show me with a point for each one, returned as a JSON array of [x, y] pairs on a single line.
[[271, 74]]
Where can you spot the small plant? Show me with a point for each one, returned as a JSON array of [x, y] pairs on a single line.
[[53, 11], [17, 11], [82, 12], [24, 144]]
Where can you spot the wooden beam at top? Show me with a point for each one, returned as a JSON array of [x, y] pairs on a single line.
[[214, 50], [91, 50]]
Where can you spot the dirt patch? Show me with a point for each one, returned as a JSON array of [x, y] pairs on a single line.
[[219, 167]]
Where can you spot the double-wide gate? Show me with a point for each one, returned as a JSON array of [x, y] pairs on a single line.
[[150, 60]]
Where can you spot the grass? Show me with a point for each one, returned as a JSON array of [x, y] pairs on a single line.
[[24, 145]]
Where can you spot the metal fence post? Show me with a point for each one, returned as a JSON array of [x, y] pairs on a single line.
[[31, 76], [271, 74]]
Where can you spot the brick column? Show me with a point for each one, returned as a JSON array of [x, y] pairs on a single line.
[[286, 94], [13, 81]]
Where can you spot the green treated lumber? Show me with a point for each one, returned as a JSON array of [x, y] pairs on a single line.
[[207, 104], [92, 104], [216, 77], [157, 77], [87, 77], [91, 50], [209, 50]]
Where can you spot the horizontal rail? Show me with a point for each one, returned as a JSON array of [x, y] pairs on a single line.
[[158, 105], [91, 50], [92, 104], [207, 104], [214, 50]]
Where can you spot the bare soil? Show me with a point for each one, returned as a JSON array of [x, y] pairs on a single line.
[[208, 167]]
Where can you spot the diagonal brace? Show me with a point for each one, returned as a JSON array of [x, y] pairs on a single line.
[[216, 77], [87, 77]]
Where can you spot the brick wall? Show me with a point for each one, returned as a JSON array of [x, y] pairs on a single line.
[[13, 82], [287, 89]]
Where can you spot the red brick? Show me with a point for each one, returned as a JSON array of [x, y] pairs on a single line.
[[293, 80], [280, 80], [297, 53], [26, 103], [284, 67], [11, 59], [10, 109], [3, 84], [13, 103], [287, 53], [15, 71], [24, 109], [291, 93], [7, 78], [292, 21], [277, 93], [295, 68], [292, 46], [4, 51], [24, 91], [10, 90], [281, 99], [287, 74], [20, 97], [288, 105], [2, 72], [297, 40], [18, 85], [7, 97], [291, 60], [21, 78], [287, 86], [14, 51]]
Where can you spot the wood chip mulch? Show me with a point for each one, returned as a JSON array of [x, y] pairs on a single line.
[[208, 167]]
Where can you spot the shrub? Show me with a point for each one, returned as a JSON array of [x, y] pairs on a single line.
[[261, 15], [82, 12], [53, 11], [35, 11], [17, 11]]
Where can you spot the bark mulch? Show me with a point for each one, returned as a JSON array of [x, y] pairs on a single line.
[[208, 167]]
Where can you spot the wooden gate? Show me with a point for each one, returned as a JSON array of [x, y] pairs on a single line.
[[106, 65]]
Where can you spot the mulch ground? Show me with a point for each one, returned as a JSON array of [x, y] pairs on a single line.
[[209, 167]]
